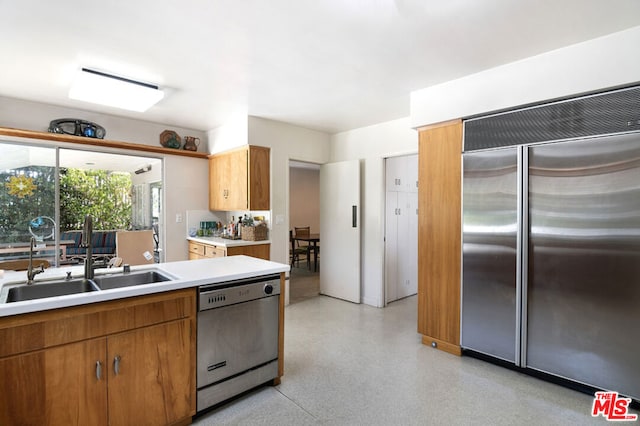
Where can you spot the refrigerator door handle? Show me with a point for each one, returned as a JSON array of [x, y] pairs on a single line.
[[522, 260]]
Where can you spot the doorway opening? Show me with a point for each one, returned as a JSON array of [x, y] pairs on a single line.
[[304, 213]]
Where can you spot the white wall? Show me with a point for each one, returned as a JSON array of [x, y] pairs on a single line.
[[186, 187], [371, 145], [304, 198], [287, 142], [185, 179], [231, 135], [600, 63]]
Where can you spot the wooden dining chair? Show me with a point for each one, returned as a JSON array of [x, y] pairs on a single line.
[[295, 252], [304, 231]]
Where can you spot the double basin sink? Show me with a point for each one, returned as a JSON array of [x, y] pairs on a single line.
[[44, 288]]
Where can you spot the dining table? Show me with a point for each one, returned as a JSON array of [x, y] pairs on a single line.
[[312, 240]]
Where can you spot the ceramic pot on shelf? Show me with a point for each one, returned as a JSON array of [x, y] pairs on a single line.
[[191, 143]]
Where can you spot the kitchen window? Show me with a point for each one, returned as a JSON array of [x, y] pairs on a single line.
[[45, 193]]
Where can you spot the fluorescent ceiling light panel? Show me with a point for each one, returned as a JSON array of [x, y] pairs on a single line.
[[105, 89]]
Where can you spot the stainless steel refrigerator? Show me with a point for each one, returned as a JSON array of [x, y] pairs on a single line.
[[551, 257]]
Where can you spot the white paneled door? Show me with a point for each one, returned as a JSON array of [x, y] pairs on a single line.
[[401, 227], [340, 225]]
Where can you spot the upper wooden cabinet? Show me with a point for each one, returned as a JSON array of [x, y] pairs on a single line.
[[439, 235], [239, 179]]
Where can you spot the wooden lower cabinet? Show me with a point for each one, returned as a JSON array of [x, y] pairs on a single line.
[[56, 386], [140, 370], [205, 251], [153, 378]]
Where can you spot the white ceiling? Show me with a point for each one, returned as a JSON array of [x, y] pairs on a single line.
[[330, 65]]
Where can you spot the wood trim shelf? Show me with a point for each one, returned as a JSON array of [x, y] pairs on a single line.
[[56, 137]]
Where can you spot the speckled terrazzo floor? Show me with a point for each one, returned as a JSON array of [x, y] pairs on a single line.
[[348, 364]]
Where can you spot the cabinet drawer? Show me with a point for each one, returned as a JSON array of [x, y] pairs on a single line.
[[196, 248], [38, 330], [214, 251], [261, 251]]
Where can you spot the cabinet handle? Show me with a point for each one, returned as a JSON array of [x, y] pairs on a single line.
[[116, 364], [98, 370]]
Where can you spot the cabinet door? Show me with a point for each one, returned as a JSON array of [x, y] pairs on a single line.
[[259, 178], [235, 169], [408, 245], [228, 181], [57, 386], [391, 247], [394, 173], [411, 171], [216, 184], [402, 174], [151, 375]]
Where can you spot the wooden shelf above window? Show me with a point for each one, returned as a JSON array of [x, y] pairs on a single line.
[[56, 137]]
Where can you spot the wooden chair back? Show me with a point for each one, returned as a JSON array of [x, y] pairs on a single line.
[[303, 232], [296, 252]]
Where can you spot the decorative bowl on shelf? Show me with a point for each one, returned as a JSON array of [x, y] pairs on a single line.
[[170, 139]]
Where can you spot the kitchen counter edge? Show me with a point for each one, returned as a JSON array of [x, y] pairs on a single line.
[[186, 274]]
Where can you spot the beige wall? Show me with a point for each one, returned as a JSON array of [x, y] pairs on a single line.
[[304, 198]]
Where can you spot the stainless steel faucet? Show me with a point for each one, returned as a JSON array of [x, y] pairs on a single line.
[[31, 273], [87, 232]]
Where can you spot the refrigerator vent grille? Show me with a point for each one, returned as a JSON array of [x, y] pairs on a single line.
[[605, 113]]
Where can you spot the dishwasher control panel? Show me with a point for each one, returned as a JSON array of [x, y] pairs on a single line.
[[218, 295]]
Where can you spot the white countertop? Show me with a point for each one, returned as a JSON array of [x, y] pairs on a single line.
[[189, 273], [224, 242]]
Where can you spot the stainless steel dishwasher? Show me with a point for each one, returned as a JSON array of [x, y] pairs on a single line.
[[237, 337]]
